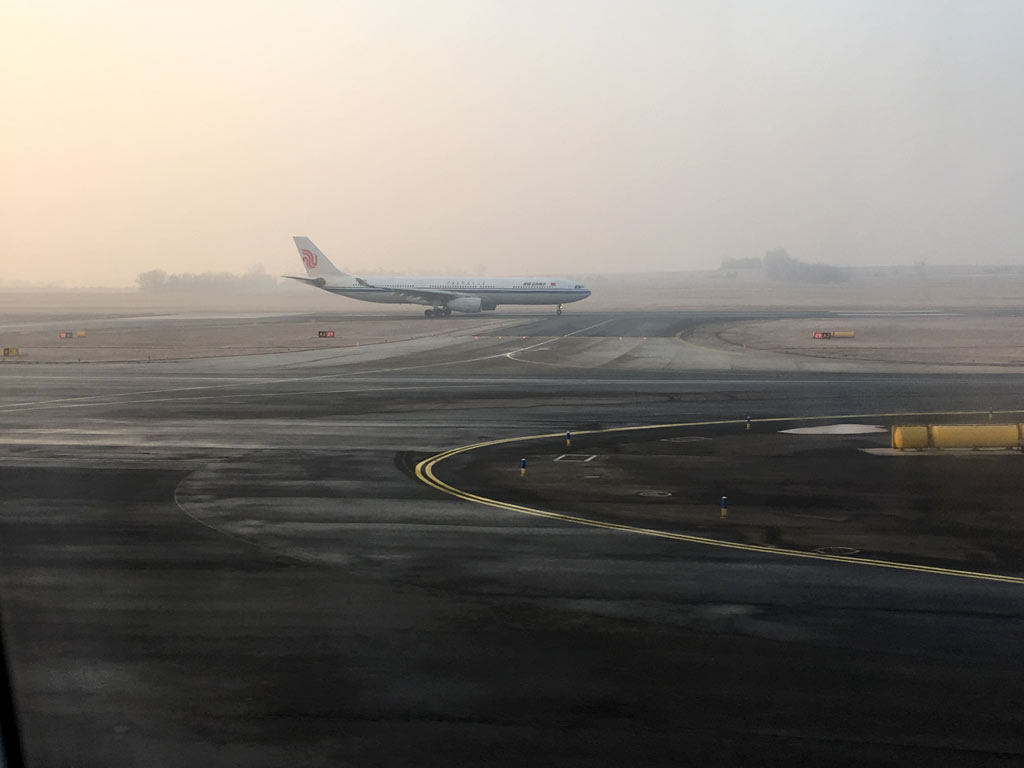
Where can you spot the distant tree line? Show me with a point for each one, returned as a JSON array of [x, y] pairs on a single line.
[[779, 265], [752, 263], [256, 280]]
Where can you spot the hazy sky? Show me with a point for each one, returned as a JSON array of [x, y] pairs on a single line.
[[515, 137]]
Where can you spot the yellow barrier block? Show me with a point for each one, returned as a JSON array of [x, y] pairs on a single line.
[[951, 436], [909, 438], [975, 436]]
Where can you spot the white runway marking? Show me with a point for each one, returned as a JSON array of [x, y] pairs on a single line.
[[512, 355], [108, 399], [835, 429]]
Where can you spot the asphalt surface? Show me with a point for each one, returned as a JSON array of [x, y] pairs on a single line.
[[232, 562], [788, 484]]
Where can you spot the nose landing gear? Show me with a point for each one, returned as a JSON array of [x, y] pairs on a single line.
[[559, 310]]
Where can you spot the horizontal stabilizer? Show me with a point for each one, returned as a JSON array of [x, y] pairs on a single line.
[[319, 282]]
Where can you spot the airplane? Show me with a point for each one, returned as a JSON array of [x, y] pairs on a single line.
[[441, 295]]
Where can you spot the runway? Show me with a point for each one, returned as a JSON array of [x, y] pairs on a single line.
[[231, 561]]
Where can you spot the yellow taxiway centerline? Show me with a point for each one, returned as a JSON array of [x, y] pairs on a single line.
[[425, 473]]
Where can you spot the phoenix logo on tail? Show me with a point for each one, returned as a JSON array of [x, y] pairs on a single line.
[[309, 258]]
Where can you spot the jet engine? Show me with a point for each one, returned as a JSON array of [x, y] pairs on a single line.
[[466, 304]]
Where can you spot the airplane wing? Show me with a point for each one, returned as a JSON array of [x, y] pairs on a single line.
[[418, 295]]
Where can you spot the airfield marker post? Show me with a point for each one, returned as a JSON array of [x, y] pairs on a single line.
[[568, 439], [725, 507], [522, 468]]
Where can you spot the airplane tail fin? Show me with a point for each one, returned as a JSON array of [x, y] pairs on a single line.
[[313, 259]]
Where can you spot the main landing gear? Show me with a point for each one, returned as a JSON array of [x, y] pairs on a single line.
[[437, 312], [559, 310]]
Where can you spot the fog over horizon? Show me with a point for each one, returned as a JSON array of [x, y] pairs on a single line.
[[562, 138]]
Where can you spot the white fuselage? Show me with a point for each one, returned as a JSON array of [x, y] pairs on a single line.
[[492, 290], [444, 294]]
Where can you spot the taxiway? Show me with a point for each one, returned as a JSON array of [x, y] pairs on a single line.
[[231, 560]]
